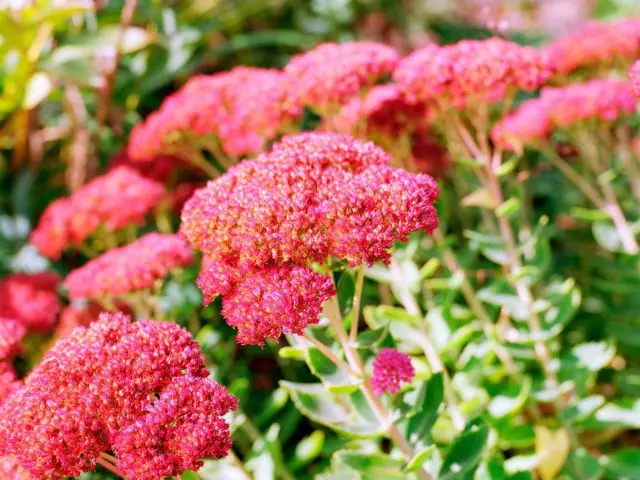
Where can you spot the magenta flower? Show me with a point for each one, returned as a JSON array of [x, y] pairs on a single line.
[[30, 299], [634, 75], [563, 108], [391, 368], [112, 381], [332, 74], [472, 71], [11, 333], [242, 109], [313, 196], [595, 44], [113, 200], [135, 266]]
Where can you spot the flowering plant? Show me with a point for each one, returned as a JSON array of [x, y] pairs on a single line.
[[360, 261]]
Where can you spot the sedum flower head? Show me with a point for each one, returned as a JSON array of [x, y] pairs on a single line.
[[116, 199], [332, 74], [634, 74], [112, 381], [313, 196], [564, 108], [11, 334], [133, 267], [30, 299], [9, 382], [597, 44], [391, 368], [242, 109], [472, 71]]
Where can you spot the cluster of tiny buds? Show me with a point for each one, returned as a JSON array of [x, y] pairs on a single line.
[[112, 201], [564, 108], [139, 390], [391, 369], [135, 266]]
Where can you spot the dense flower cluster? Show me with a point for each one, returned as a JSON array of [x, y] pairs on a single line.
[[30, 299], [10, 469], [313, 196], [113, 200], [384, 111], [9, 382], [634, 74], [11, 334], [561, 108], [391, 368], [332, 74], [270, 301], [137, 389], [133, 267], [597, 43], [242, 109], [472, 71]]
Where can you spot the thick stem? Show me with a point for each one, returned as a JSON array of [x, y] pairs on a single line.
[[326, 351], [357, 300]]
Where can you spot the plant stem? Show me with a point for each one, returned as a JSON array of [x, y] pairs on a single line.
[[109, 466], [327, 352], [332, 312], [357, 300], [411, 306]]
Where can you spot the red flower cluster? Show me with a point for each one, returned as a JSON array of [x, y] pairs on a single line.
[[113, 200], [597, 43], [10, 469], [313, 196], [332, 74], [137, 389], [391, 368], [133, 267], [634, 74], [30, 299], [242, 109], [562, 108], [472, 71]]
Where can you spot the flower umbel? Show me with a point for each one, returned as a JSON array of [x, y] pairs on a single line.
[[391, 368], [133, 267], [145, 382]]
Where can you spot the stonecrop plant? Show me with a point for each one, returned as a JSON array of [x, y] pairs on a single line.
[[360, 261]]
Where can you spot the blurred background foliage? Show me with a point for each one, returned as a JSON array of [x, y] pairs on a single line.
[[75, 77]]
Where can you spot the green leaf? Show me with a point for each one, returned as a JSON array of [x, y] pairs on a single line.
[[373, 467], [504, 405], [607, 236], [189, 475], [521, 463], [37, 89], [594, 356], [309, 448], [583, 465], [420, 458], [426, 410], [327, 371], [292, 353], [508, 207], [318, 404], [465, 454], [624, 463]]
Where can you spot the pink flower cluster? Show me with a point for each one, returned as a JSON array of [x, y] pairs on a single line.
[[242, 109], [332, 74], [113, 200], [133, 267], [597, 43], [313, 196], [384, 111], [139, 390], [9, 382], [472, 71], [29, 302], [11, 334], [391, 368], [562, 108], [634, 75]]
